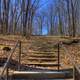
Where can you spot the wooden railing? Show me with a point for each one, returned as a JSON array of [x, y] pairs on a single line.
[[6, 65], [41, 75]]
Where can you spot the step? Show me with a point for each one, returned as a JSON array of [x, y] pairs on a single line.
[[43, 64], [41, 75], [1, 68], [42, 56], [45, 52], [42, 59], [38, 52], [2, 61]]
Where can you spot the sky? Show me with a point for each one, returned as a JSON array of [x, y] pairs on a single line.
[[45, 5]]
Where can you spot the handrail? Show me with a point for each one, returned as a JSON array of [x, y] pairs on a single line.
[[41, 75], [8, 60]]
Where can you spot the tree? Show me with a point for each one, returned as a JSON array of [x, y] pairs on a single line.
[[6, 4], [0, 18]]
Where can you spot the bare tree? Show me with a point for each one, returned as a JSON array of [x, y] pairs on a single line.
[[0, 18]]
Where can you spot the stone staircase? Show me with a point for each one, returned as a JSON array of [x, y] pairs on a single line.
[[42, 59], [42, 54]]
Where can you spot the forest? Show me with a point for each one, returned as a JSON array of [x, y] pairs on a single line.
[[40, 17], [39, 39]]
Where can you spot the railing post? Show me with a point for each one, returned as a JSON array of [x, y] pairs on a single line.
[[19, 61], [76, 72], [7, 73], [58, 56]]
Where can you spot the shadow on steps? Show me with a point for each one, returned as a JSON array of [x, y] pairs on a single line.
[[14, 65]]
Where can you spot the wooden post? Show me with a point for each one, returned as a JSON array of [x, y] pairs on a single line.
[[7, 73], [76, 73], [58, 56], [19, 61]]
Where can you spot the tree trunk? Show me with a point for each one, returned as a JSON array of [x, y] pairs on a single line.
[[73, 20]]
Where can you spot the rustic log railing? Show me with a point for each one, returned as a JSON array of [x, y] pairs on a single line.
[[6, 65], [41, 75]]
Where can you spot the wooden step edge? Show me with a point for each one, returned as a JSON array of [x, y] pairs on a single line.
[[42, 60], [40, 75], [40, 52], [43, 64], [45, 56]]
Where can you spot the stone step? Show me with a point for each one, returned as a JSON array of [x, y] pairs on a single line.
[[43, 64], [42, 56], [39, 52], [42, 59], [1, 68]]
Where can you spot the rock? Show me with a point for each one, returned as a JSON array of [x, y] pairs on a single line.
[[70, 42], [6, 48]]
